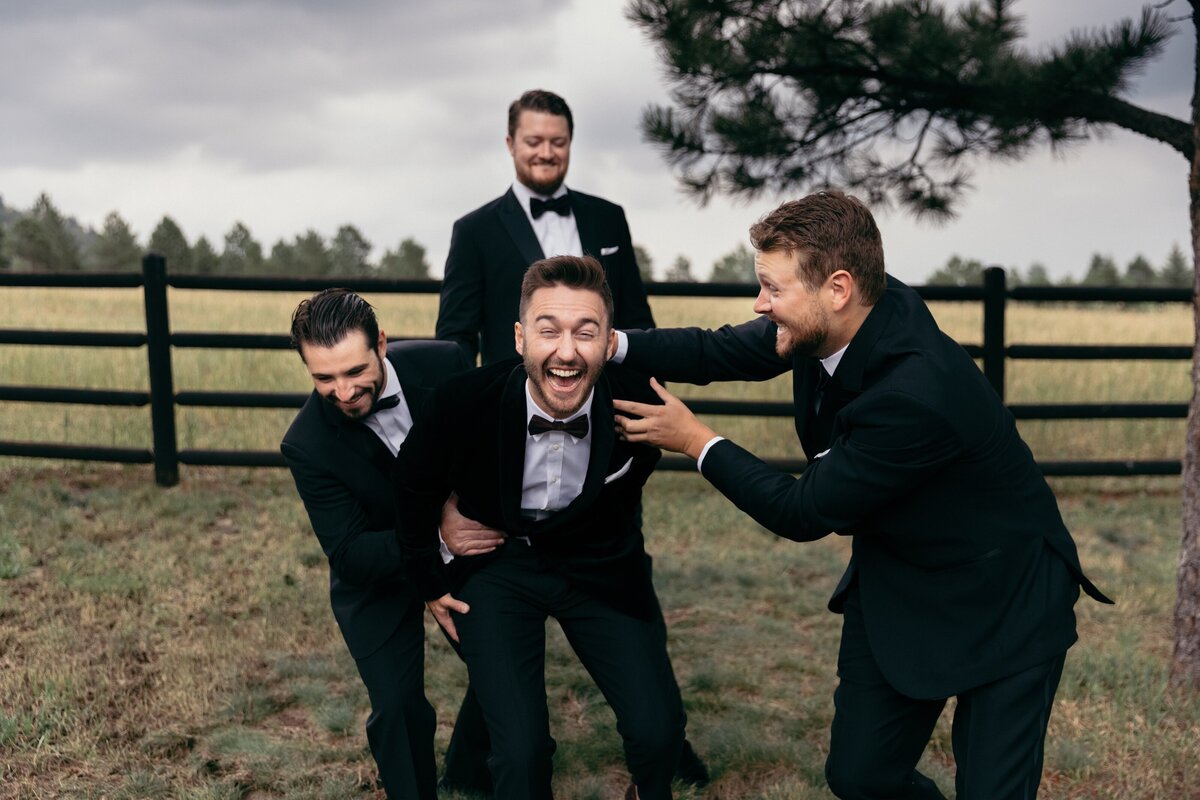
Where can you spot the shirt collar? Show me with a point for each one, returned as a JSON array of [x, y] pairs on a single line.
[[392, 385], [830, 363]]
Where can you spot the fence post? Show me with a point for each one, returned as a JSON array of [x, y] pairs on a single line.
[[158, 351], [994, 300]]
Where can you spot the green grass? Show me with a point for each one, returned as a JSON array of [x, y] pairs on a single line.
[[178, 644]]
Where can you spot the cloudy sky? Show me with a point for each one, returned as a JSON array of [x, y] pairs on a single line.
[[299, 114]]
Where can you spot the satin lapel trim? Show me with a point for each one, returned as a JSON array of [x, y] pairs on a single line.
[[585, 223], [513, 218], [603, 439], [513, 433]]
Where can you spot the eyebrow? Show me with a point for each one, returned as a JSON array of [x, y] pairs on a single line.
[[350, 369], [554, 319]]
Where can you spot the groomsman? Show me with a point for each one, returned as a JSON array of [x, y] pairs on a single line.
[[963, 577], [340, 449], [537, 217]]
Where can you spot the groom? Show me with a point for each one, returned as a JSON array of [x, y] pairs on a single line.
[[529, 447]]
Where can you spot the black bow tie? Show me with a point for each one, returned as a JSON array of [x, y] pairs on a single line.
[[559, 205], [384, 403], [577, 427]]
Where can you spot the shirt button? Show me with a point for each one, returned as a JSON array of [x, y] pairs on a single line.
[[556, 447], [554, 480]]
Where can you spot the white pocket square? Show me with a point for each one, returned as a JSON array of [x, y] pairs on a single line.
[[620, 472], [821, 454], [608, 251]]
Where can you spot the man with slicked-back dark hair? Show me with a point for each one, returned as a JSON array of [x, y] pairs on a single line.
[[340, 449]]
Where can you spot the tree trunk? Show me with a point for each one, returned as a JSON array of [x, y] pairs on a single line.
[[1185, 666]]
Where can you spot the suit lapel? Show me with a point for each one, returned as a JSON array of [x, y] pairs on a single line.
[[359, 438], [513, 218], [585, 223], [512, 434]]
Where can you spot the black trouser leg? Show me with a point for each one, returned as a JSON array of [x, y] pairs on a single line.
[[503, 641], [467, 754], [401, 725], [999, 733], [878, 734], [627, 657]]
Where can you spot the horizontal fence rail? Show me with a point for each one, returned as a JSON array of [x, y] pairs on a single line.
[[993, 354]]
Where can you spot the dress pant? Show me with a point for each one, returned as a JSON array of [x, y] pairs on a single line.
[[401, 725], [503, 640], [878, 734]]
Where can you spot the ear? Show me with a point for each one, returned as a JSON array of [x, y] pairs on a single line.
[[381, 345], [613, 341], [842, 289], [508, 141], [519, 337]]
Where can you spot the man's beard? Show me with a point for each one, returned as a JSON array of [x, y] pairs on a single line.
[[540, 380], [373, 391], [788, 344]]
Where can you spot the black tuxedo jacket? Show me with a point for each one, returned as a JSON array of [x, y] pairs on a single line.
[[491, 248], [341, 470], [473, 443], [965, 570]]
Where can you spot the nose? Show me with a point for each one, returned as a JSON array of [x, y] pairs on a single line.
[[566, 349], [762, 303], [545, 151], [344, 390]]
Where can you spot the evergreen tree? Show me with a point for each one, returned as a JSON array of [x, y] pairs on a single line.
[[205, 260], [168, 241], [1177, 272], [282, 260], [958, 271], [645, 263], [1037, 275], [1102, 271], [407, 261], [736, 266], [891, 100], [5, 256], [243, 255], [1140, 272], [116, 249], [41, 240], [348, 252], [680, 271]]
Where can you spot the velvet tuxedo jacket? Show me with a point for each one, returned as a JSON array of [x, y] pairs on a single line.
[[491, 248], [473, 443], [965, 569], [342, 469]]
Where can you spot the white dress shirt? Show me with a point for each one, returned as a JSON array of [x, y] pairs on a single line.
[[556, 463], [391, 425], [558, 235]]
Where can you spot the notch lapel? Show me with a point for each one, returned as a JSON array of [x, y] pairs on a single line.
[[513, 218], [512, 435], [585, 223]]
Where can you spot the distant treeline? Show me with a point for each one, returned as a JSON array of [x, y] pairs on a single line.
[[43, 239]]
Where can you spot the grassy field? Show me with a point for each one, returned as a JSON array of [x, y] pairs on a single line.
[[178, 643]]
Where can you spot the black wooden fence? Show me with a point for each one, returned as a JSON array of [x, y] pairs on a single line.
[[162, 398]]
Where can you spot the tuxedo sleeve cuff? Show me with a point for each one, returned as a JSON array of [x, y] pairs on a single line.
[[622, 347], [704, 452]]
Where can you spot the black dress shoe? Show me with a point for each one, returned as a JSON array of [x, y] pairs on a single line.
[[691, 769]]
